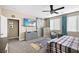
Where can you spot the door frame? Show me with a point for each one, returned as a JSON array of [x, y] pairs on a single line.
[[15, 19]]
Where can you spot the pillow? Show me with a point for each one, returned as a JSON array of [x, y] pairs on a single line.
[[35, 46]]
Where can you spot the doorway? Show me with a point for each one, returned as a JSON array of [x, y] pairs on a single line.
[[13, 28]]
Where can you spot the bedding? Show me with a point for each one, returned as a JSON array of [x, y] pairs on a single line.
[[66, 44]]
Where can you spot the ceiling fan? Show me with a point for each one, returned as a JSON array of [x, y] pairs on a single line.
[[53, 10]]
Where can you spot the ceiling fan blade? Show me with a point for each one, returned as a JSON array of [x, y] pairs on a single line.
[[53, 12], [46, 11], [56, 12], [58, 8], [51, 7]]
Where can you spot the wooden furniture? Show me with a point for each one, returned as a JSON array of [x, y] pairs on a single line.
[[31, 35]]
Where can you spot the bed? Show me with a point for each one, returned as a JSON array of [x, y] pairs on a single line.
[[65, 44]]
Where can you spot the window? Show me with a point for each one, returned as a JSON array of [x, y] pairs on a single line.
[[72, 23], [55, 24], [51, 24]]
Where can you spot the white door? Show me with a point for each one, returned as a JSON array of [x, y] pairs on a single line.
[[3, 26]]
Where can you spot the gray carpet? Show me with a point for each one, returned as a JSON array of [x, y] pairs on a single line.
[[16, 46]]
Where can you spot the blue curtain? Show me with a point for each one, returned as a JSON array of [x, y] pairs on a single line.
[[64, 25]]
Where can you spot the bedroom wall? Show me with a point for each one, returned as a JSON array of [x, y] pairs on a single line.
[[18, 16]]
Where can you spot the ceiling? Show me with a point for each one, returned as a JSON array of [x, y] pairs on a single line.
[[36, 10]]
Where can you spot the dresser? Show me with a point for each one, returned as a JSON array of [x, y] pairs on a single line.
[[31, 35]]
